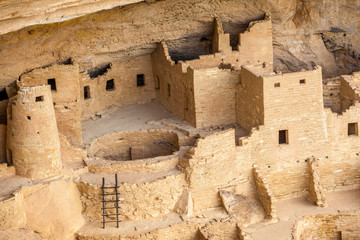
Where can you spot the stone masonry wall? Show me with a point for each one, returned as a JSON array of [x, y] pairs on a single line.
[[214, 91], [331, 93], [66, 96], [174, 83], [211, 166], [125, 91], [328, 226], [33, 145]]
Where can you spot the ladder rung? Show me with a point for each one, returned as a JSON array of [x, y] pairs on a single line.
[[109, 201], [108, 207], [111, 187], [111, 221], [111, 194], [111, 214]]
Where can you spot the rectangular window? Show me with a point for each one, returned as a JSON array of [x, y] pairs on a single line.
[[140, 80], [86, 92], [169, 90], [283, 137], [352, 129], [277, 84], [302, 81], [39, 99], [110, 85], [157, 82], [52, 83]]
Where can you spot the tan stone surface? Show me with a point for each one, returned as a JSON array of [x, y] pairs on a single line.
[[53, 210], [19, 234]]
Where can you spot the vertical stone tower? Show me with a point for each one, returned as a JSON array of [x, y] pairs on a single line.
[[33, 145]]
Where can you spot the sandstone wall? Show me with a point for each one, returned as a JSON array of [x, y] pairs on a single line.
[[249, 100], [142, 200], [3, 143], [125, 89], [65, 93], [214, 91], [331, 226], [33, 145], [348, 92], [331, 93], [175, 84], [12, 212], [211, 166]]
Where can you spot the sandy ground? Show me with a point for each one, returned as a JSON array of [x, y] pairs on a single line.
[[128, 118], [289, 210]]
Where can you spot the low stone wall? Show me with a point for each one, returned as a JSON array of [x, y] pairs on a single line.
[[141, 200], [330, 226], [265, 194], [12, 212], [316, 193]]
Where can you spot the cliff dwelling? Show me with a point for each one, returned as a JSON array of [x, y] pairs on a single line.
[[174, 119]]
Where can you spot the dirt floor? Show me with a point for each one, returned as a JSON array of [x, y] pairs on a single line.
[[128, 118]]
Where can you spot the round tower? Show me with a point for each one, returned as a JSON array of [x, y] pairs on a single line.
[[33, 145]]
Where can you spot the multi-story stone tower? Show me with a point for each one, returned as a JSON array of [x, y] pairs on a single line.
[[33, 145]]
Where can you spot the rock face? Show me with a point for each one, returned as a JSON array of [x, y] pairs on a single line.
[[18, 14], [304, 32]]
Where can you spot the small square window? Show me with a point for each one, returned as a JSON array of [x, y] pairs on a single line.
[[283, 137], [140, 80], [157, 82], [39, 99], [86, 92], [52, 83], [352, 129], [28, 117], [110, 85], [302, 81], [277, 84]]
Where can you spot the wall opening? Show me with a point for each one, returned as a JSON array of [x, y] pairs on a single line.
[[169, 90], [283, 137], [302, 81], [276, 84], [28, 117], [39, 99], [157, 82], [110, 85], [140, 80], [3, 95], [186, 103], [52, 83], [9, 156], [86, 92], [352, 129]]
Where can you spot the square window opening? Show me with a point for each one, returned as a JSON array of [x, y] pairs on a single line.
[[140, 80], [352, 129], [110, 85], [52, 83], [86, 92], [277, 84], [302, 81], [39, 99], [283, 137], [28, 117]]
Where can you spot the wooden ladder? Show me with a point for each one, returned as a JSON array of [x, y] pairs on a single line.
[[106, 200]]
